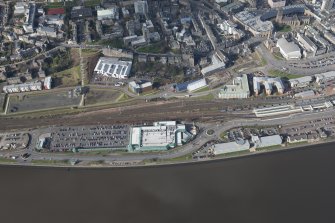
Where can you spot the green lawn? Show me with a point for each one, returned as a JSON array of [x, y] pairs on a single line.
[[6, 160], [238, 153], [92, 3], [66, 161], [113, 43], [263, 62], [69, 77], [55, 5], [206, 97], [89, 52], [282, 74], [153, 48], [102, 96], [283, 28], [223, 135], [201, 90], [123, 97], [278, 56]]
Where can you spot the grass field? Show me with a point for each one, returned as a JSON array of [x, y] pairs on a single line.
[[206, 97], [201, 90], [89, 52], [51, 162], [263, 62], [102, 96], [67, 78], [153, 48], [282, 74], [2, 102], [113, 43], [92, 3], [6, 160], [123, 97], [278, 56]]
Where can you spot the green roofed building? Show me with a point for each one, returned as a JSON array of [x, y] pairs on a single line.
[[161, 136]]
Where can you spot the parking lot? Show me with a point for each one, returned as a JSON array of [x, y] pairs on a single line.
[[89, 137], [321, 125], [323, 62], [43, 100], [100, 96]]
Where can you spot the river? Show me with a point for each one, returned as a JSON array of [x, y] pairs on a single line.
[[288, 186]]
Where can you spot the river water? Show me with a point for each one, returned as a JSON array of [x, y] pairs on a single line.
[[288, 186]]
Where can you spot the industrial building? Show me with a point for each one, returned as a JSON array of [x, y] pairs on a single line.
[[17, 88], [301, 81], [47, 31], [268, 83], [191, 85], [196, 85], [230, 147], [141, 7], [305, 94], [28, 26], [161, 136], [239, 88], [266, 141], [229, 28], [254, 24], [289, 50], [111, 13], [47, 83], [327, 5], [80, 12], [140, 87], [324, 77], [297, 138], [113, 67], [277, 110], [213, 68], [310, 49], [276, 3], [20, 8]]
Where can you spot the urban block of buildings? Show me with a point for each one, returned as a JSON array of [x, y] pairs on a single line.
[[254, 23]]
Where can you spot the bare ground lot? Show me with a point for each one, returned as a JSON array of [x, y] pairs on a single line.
[[101, 96], [42, 100]]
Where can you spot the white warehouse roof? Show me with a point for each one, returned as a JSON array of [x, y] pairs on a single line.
[[289, 50], [212, 68], [230, 147], [301, 81], [113, 67], [267, 141], [197, 85], [325, 76]]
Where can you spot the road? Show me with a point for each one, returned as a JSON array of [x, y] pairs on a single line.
[[273, 63]]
